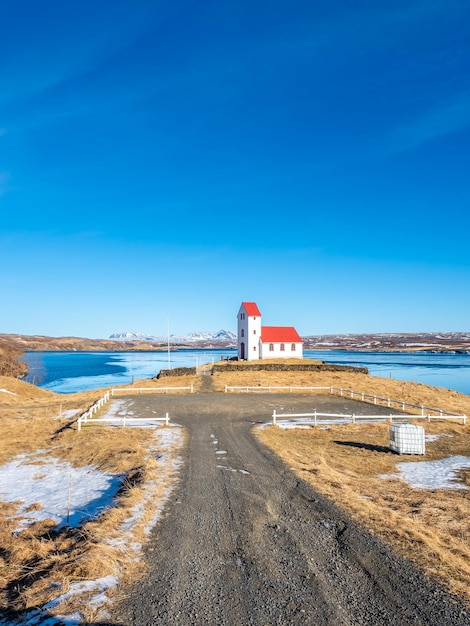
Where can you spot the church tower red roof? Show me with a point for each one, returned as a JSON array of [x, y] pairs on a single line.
[[251, 309]]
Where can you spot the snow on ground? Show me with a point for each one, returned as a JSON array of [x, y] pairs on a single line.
[[66, 494], [440, 474], [6, 391], [43, 480]]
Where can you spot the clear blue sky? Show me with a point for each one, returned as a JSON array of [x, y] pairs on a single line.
[[175, 158]]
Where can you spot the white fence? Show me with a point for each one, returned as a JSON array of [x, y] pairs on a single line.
[[87, 416], [271, 388], [367, 397], [141, 390], [123, 421], [425, 411], [344, 418]]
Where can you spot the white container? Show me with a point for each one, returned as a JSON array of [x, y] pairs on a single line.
[[407, 439]]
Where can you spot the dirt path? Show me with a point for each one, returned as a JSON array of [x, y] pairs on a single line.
[[243, 542]]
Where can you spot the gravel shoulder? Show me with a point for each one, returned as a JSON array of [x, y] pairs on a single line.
[[244, 542]]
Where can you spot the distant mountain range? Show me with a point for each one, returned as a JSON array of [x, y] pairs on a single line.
[[219, 336], [451, 342], [394, 342]]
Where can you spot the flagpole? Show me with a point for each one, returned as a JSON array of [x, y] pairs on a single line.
[[168, 335]]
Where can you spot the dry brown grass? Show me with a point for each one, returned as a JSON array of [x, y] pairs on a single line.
[[345, 461], [40, 562]]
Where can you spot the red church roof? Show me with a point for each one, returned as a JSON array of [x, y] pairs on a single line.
[[276, 334], [251, 308]]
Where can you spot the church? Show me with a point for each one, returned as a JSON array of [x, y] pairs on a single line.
[[265, 342]]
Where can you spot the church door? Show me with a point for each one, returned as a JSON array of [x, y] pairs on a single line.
[[242, 350]]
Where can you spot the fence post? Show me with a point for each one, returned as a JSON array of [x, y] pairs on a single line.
[[79, 424], [375, 399], [341, 392], [167, 419], [422, 410], [112, 391], [362, 396], [388, 402], [315, 417], [353, 418], [274, 418]]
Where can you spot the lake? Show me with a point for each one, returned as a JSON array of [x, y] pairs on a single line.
[[68, 372]]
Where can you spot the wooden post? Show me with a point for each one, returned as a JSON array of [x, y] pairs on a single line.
[[274, 418]]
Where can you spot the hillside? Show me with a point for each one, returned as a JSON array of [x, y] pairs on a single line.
[[10, 365]]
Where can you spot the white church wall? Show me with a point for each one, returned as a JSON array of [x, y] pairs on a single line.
[[278, 353]]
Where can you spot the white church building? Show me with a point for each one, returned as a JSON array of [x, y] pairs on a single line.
[[265, 342]]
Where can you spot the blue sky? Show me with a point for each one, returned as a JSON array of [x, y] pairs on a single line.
[[167, 160]]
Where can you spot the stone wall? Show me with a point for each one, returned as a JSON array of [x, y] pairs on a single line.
[[285, 367], [177, 371]]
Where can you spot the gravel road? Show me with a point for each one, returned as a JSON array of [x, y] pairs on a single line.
[[244, 542]]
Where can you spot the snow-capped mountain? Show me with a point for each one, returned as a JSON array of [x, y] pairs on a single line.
[[129, 336], [219, 336]]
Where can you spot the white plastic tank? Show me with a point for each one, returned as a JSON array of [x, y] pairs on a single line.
[[407, 439]]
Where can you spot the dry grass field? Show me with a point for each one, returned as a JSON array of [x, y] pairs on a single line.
[[345, 463], [38, 561]]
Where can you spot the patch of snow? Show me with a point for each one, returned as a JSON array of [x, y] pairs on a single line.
[[221, 452], [440, 474], [6, 391], [68, 495]]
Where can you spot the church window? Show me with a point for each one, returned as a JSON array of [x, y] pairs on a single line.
[[254, 332], [254, 348], [271, 347], [282, 347], [292, 347], [243, 332]]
